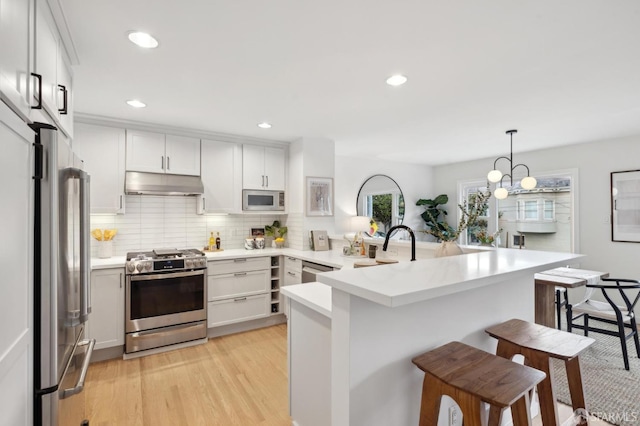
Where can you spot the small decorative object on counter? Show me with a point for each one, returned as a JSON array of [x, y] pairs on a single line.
[[212, 242], [249, 243], [218, 241], [372, 251], [105, 241], [259, 242], [276, 232]]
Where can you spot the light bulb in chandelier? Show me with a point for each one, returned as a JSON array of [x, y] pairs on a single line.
[[528, 183], [501, 193], [494, 176]]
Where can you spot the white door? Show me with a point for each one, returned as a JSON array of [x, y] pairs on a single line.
[[183, 155], [253, 176], [221, 177], [102, 149], [46, 58], [106, 322], [14, 54], [274, 168], [145, 152]]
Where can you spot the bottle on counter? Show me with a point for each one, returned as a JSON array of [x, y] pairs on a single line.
[[212, 242], [217, 240]]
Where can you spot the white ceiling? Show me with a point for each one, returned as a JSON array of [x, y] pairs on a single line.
[[560, 71]]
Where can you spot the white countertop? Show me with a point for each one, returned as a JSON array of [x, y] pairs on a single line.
[[330, 258], [316, 296], [408, 282]]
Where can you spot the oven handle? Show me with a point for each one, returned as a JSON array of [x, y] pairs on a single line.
[[168, 275]]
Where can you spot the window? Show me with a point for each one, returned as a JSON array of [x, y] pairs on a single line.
[[549, 210], [536, 210]]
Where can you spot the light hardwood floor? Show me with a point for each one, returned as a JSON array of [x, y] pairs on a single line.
[[239, 379]]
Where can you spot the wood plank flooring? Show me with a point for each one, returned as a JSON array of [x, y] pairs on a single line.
[[239, 379]]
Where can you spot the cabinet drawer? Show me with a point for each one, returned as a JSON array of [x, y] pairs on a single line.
[[244, 264], [239, 309], [238, 284], [292, 277], [292, 264]]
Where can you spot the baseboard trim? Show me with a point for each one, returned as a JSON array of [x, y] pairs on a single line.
[[246, 326]]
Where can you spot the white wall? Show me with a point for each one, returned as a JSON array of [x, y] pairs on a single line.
[[415, 181], [594, 161]]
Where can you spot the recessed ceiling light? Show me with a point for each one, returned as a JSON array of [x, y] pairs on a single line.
[[264, 125], [136, 103], [396, 80], [143, 39]]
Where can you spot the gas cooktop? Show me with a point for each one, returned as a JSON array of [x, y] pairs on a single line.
[[163, 260]]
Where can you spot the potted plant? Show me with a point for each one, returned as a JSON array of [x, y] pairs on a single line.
[[470, 210], [276, 232]]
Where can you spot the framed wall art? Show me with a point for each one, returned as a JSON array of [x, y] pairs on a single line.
[[319, 200], [625, 206]]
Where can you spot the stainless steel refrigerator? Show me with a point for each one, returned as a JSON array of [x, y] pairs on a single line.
[[62, 300]]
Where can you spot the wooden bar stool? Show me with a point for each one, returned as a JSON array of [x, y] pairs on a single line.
[[538, 344], [471, 376]]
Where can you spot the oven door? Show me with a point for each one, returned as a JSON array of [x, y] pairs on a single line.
[[164, 299]]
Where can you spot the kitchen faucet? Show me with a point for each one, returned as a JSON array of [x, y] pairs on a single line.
[[413, 239]]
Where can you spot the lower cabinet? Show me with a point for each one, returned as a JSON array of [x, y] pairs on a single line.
[[238, 290], [106, 321]]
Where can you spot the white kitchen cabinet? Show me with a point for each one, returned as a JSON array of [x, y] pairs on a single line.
[[238, 290], [292, 275], [263, 167], [16, 43], [106, 321], [102, 149], [159, 153], [221, 176]]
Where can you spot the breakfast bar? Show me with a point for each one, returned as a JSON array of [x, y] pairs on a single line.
[[380, 317]]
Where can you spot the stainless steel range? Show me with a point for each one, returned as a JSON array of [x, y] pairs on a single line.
[[165, 298]]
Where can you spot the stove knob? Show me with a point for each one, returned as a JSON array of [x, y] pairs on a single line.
[[131, 267], [203, 262], [139, 267], [189, 263], [147, 266]]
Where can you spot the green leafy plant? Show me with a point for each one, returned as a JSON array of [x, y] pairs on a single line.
[[470, 211], [434, 215], [275, 230]]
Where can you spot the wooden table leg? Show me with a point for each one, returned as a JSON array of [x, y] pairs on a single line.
[[544, 300], [576, 389]]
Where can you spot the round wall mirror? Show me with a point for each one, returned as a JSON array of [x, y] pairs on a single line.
[[381, 198]]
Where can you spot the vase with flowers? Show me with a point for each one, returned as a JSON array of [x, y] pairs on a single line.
[[486, 239], [470, 210]]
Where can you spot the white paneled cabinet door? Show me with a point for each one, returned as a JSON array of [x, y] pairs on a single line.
[[221, 177], [145, 152], [183, 155], [15, 46], [16, 257], [106, 322], [46, 58], [65, 92], [253, 167], [274, 168], [102, 150]]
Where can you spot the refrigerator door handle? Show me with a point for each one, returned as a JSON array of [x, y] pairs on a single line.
[[83, 374], [85, 244]]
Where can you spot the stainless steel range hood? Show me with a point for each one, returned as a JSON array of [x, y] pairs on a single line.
[[162, 184]]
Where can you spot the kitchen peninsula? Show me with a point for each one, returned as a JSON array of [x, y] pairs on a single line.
[[351, 345]]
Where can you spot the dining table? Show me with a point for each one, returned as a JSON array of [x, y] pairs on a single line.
[[545, 289]]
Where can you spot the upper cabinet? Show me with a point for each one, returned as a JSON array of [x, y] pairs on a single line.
[[221, 177], [263, 167], [159, 153], [16, 43], [102, 150], [52, 89]]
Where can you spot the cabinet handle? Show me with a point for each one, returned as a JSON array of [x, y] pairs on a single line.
[[292, 274], [239, 299], [39, 78], [293, 259], [120, 279], [263, 181], [204, 203], [120, 201], [63, 111], [239, 260], [162, 162], [168, 167], [267, 181], [239, 274]]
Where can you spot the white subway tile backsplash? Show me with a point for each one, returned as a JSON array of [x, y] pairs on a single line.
[[171, 222]]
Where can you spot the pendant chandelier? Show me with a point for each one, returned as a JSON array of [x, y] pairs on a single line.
[[496, 175]]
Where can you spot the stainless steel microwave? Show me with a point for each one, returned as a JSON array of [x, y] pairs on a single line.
[[253, 199]]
